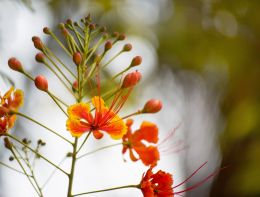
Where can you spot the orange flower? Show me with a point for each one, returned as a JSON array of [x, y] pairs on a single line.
[[11, 101], [148, 131], [157, 185], [105, 119]]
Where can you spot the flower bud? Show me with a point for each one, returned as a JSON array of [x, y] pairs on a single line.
[[115, 34], [37, 43], [103, 29], [108, 46], [152, 106], [7, 143], [77, 58], [65, 32], [131, 79], [69, 21], [137, 60], [39, 57], [127, 47], [41, 83], [121, 37], [92, 26], [15, 64], [88, 18], [75, 86], [46, 30]]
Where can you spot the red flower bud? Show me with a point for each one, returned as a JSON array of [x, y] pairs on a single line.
[[37, 43], [115, 34], [75, 86], [77, 58], [41, 83], [152, 106], [127, 47], [15, 64], [121, 37], [92, 26], [46, 30], [103, 29], [39, 57], [137, 60], [131, 79], [69, 21], [108, 46]]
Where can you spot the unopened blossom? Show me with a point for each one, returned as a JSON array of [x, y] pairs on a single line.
[[133, 142], [104, 119]]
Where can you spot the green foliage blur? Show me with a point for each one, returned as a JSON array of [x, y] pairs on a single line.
[[209, 36]]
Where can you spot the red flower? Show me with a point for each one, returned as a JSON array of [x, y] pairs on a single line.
[[11, 101], [157, 185], [148, 131]]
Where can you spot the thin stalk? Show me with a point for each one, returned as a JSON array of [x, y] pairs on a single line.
[[40, 155], [28, 75], [60, 43], [99, 149], [73, 163], [57, 67], [23, 169], [83, 142], [122, 72], [53, 172], [11, 168], [77, 35], [42, 125], [58, 59], [58, 76], [57, 104], [109, 189], [112, 59], [59, 99], [27, 162]]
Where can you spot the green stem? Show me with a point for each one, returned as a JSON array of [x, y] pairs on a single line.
[[27, 162], [83, 142], [58, 59], [109, 189], [106, 64], [99, 149], [57, 104], [28, 176], [60, 43], [60, 100], [73, 162], [11, 168], [25, 145], [42, 125]]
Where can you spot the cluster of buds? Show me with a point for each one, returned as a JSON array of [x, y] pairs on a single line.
[[94, 111]]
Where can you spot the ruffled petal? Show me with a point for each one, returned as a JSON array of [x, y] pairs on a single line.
[[76, 127], [97, 134], [98, 103], [148, 155], [148, 131], [16, 100], [115, 127], [80, 111]]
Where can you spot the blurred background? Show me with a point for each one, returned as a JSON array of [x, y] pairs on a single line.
[[200, 57]]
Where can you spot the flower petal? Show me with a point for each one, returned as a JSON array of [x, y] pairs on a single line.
[[148, 131], [76, 127], [148, 155], [80, 111]]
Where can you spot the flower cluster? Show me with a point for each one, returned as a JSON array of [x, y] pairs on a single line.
[[95, 110]]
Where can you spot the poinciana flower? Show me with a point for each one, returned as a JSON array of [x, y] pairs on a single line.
[[148, 132], [11, 101], [159, 184], [105, 119]]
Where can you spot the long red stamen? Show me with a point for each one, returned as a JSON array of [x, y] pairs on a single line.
[[200, 183], [191, 175]]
